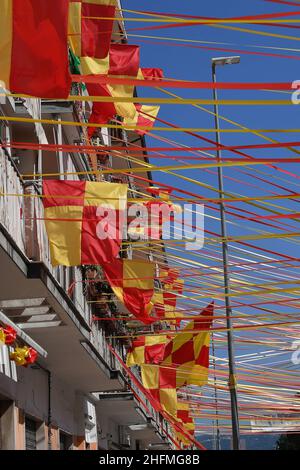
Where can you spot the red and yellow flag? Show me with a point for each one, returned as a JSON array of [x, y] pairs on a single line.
[[90, 27], [185, 362], [145, 116], [160, 383], [165, 300], [184, 416], [90, 40], [84, 221], [162, 210], [188, 351], [123, 59], [171, 281], [102, 113], [33, 47], [133, 283], [147, 350], [184, 413]]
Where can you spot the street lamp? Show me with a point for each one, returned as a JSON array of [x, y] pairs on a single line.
[[230, 340]]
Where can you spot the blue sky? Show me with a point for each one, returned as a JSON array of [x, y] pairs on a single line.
[[194, 64]]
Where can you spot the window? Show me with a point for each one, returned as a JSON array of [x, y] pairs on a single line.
[[30, 433], [65, 441]]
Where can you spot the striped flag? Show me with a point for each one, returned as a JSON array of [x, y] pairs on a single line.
[[33, 47], [133, 283], [84, 221]]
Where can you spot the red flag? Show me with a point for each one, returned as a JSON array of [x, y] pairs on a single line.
[[39, 55], [97, 19]]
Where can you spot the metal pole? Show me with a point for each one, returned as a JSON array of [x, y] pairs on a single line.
[[230, 339]]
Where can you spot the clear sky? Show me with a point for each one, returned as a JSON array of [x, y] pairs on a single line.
[[195, 64]]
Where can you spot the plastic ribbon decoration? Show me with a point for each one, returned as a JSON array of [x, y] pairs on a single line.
[[2, 338], [7, 335], [23, 356]]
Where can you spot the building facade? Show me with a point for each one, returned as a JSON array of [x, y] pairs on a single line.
[[77, 396]]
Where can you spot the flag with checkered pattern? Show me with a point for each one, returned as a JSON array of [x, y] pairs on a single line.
[[147, 350], [133, 283], [84, 221]]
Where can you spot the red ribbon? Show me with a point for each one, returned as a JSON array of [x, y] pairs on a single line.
[[104, 79]]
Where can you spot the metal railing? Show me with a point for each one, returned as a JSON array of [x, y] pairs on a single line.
[[22, 215], [11, 201]]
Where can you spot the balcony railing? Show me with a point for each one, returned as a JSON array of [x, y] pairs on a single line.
[[21, 214], [11, 201], [37, 249]]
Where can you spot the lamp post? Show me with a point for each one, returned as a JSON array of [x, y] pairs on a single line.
[[230, 340]]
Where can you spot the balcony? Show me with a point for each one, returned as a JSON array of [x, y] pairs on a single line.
[[35, 295], [54, 304], [21, 215]]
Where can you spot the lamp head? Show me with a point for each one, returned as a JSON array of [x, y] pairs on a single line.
[[226, 60]]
